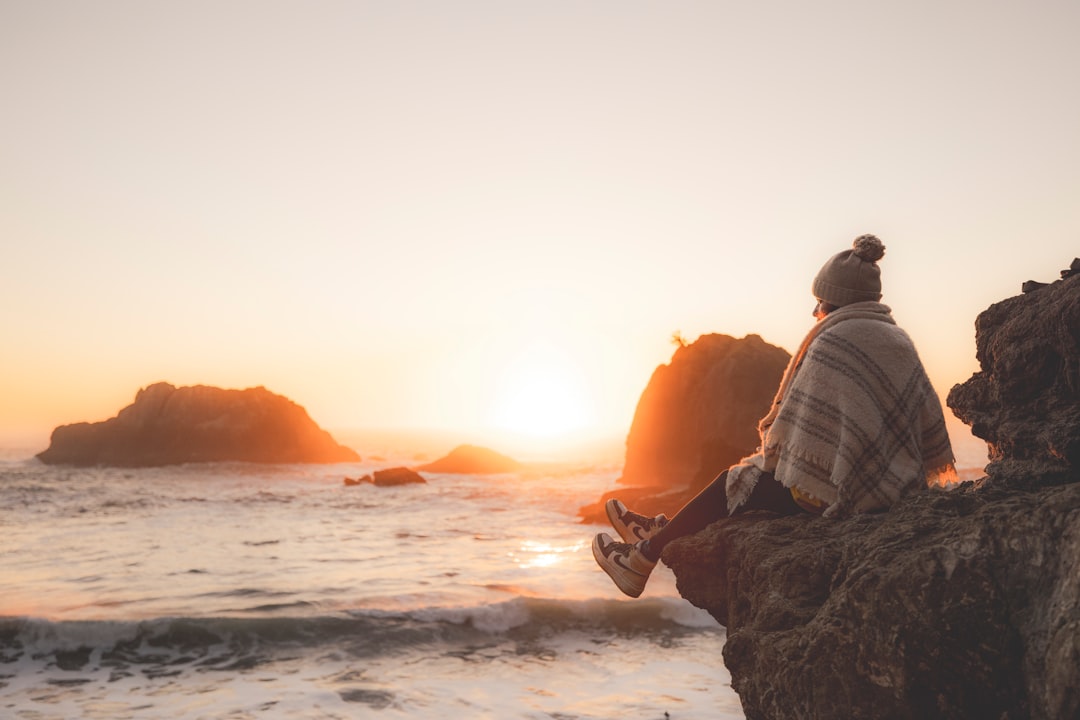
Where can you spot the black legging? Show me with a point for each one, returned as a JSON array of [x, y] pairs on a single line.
[[710, 505]]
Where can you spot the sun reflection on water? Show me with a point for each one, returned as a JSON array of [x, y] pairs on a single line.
[[534, 554]]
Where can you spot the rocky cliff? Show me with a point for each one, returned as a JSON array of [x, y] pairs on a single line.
[[1024, 400], [955, 604], [697, 417], [168, 425]]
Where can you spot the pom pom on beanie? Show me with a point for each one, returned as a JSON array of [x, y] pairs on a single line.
[[852, 275], [868, 247]]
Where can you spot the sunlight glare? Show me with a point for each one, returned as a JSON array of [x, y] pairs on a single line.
[[542, 555], [541, 393]]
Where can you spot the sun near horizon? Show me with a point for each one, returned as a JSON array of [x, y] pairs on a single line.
[[541, 393]]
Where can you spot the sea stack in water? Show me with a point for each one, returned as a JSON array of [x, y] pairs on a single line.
[[390, 477], [472, 460], [167, 425], [696, 418], [954, 604]]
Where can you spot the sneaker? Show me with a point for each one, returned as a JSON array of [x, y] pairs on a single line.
[[623, 562], [631, 526]]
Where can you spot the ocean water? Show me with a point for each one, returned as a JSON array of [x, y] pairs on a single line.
[[258, 591]]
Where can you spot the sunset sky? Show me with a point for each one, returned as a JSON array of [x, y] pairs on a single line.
[[492, 216]]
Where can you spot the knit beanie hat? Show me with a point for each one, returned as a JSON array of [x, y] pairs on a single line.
[[852, 275]]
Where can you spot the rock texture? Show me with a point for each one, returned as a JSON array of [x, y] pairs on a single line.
[[472, 460], [697, 417], [167, 425], [954, 604], [1025, 400]]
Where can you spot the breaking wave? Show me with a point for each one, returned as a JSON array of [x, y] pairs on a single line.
[[228, 643]]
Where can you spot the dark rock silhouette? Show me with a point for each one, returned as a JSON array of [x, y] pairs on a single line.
[[696, 418], [390, 477], [1033, 285], [167, 425], [954, 604], [472, 460], [1025, 400]]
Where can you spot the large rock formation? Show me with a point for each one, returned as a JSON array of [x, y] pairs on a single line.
[[954, 604], [167, 425], [697, 417], [472, 460], [1025, 401]]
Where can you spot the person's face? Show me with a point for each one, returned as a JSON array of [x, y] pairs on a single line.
[[822, 309]]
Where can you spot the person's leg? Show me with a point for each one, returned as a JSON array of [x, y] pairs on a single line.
[[629, 564], [710, 505], [770, 494], [704, 509]]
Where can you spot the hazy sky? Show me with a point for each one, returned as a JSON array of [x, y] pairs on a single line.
[[469, 214]]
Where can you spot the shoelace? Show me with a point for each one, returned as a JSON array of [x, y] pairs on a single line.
[[632, 517], [619, 548]]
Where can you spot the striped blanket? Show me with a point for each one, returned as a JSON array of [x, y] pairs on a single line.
[[856, 422]]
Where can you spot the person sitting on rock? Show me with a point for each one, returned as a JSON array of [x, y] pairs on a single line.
[[855, 426]]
